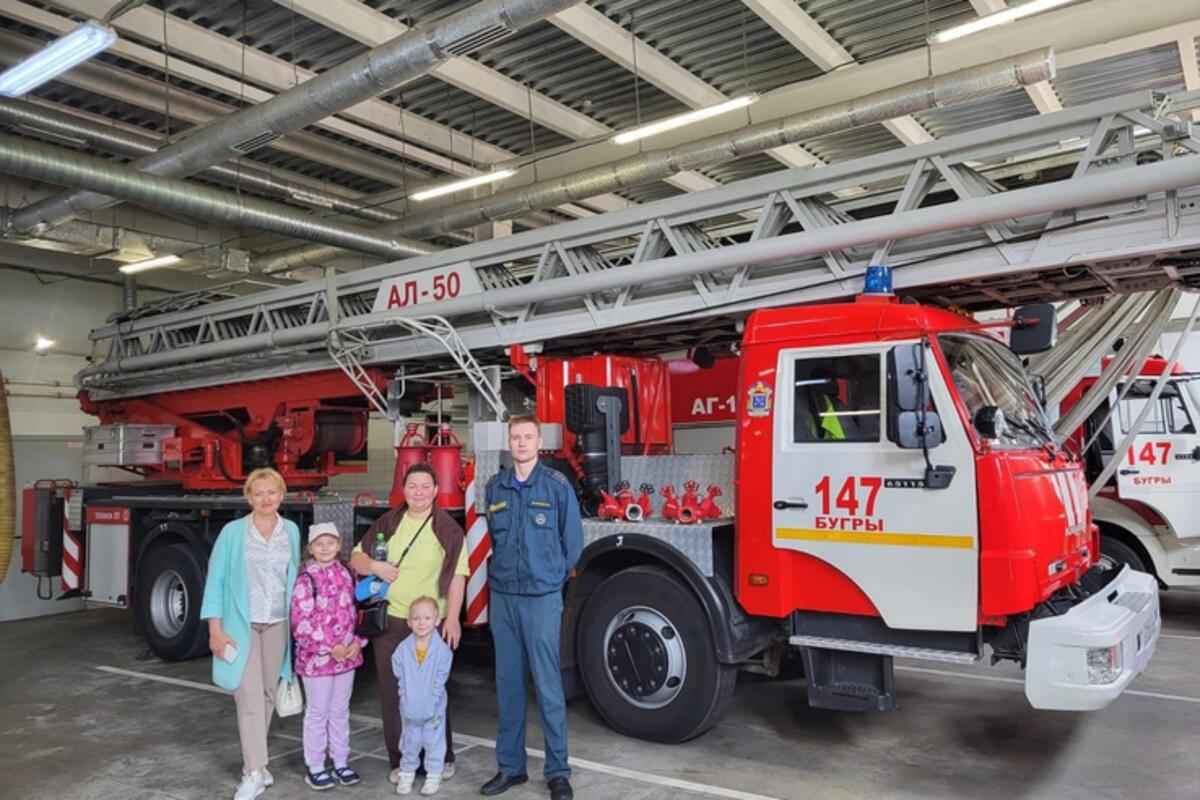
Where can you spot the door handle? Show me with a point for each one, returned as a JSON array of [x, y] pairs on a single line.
[[1131, 472], [780, 505]]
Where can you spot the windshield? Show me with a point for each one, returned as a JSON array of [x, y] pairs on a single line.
[[986, 373]]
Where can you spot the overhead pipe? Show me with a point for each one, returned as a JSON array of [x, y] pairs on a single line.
[[1089, 190], [123, 243], [963, 85], [20, 114], [52, 164], [146, 93], [368, 75]]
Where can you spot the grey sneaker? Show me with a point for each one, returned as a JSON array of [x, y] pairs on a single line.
[[448, 770]]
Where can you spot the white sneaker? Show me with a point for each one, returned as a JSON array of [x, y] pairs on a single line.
[[432, 784], [251, 786], [447, 771], [394, 776], [268, 778], [404, 782]]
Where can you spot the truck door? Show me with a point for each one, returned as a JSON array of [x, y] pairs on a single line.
[[845, 494], [1160, 467]]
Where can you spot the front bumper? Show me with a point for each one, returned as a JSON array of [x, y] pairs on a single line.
[[1124, 614]]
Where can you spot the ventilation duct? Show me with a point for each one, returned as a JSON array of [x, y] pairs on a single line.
[[961, 86], [368, 75]]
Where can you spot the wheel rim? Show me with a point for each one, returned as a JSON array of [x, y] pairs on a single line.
[[644, 657], [168, 604]]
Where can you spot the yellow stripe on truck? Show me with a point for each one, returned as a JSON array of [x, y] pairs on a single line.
[[900, 539]]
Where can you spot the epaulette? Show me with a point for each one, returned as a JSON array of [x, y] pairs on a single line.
[[558, 476]]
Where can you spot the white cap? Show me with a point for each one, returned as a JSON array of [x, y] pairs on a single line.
[[323, 529]]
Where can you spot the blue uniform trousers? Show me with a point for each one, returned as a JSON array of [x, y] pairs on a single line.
[[525, 629]]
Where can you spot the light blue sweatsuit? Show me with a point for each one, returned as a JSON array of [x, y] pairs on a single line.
[[422, 690]]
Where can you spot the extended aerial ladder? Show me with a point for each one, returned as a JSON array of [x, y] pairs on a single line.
[[1118, 213]]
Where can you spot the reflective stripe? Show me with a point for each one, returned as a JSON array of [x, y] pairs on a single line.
[[901, 539]]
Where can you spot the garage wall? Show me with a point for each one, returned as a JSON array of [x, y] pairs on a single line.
[[47, 431]]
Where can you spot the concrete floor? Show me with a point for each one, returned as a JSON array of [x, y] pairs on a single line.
[[83, 716]]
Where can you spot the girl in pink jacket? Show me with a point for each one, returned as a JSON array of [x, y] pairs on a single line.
[[327, 653]]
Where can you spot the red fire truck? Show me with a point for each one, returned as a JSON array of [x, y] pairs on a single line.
[[894, 492], [1146, 511]]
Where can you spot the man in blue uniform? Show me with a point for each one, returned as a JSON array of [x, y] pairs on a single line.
[[533, 519]]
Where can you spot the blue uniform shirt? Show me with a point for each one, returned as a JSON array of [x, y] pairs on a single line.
[[536, 532]]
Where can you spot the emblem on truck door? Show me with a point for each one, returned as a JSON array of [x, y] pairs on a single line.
[[758, 399]]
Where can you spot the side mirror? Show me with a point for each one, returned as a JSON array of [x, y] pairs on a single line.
[[1196, 453], [989, 422], [912, 435], [1035, 328], [908, 376]]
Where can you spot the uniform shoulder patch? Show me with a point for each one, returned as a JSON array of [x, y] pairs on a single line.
[[558, 476]]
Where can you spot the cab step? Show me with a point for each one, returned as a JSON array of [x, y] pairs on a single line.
[[878, 649]]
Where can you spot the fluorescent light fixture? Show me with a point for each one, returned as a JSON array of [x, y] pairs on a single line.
[[42, 344], [678, 121], [56, 58], [150, 263], [466, 183], [999, 18]]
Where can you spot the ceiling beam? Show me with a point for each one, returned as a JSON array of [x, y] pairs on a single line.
[[362, 23], [1042, 94], [1090, 28], [805, 34], [424, 141], [606, 37], [145, 93]]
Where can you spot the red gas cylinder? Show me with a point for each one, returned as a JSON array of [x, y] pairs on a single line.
[[445, 455], [411, 450]]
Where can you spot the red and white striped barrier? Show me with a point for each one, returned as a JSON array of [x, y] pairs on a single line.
[[72, 552], [479, 547]]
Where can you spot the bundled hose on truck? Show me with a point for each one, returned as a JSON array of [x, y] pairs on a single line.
[[8, 487]]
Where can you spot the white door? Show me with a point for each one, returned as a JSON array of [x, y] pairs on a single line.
[[847, 495], [1160, 468]]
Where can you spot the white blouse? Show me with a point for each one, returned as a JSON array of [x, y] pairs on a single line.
[[266, 572]]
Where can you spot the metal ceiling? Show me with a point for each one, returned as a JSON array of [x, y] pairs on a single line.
[[725, 44]]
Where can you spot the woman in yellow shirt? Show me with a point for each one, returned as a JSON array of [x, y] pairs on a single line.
[[434, 563]]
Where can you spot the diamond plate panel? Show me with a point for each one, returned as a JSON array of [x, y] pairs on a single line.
[[693, 541], [487, 464], [661, 470]]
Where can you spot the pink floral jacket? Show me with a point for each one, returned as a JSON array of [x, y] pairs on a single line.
[[322, 622]]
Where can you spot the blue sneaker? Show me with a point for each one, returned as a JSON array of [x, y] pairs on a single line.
[[346, 776], [319, 780]]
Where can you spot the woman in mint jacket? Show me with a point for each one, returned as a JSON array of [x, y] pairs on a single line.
[[246, 602]]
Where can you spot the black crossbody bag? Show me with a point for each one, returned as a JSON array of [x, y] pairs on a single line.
[[373, 614]]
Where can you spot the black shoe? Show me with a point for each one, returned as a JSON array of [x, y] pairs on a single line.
[[560, 789], [501, 783]]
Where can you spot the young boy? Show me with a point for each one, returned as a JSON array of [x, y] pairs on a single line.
[[422, 664]]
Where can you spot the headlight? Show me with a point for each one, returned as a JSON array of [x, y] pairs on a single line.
[[1103, 664]]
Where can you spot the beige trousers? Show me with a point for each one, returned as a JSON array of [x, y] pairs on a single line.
[[255, 695]]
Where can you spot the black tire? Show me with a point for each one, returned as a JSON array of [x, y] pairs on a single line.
[[1120, 554], [662, 651], [170, 588]]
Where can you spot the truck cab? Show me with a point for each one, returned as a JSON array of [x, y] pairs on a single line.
[[1147, 511], [899, 492]]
